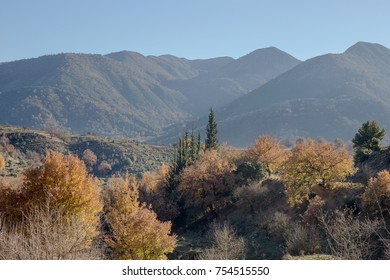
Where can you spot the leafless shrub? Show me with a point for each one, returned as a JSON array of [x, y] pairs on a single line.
[[226, 244], [45, 234], [349, 237], [301, 240], [279, 225]]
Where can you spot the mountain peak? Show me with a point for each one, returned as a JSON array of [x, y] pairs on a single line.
[[364, 47]]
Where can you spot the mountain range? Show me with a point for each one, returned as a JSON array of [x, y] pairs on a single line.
[[126, 93], [152, 98], [327, 96]]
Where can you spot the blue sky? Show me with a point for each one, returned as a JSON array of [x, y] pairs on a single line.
[[191, 29]]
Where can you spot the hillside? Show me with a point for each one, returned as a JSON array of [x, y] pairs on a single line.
[[126, 93], [327, 96], [232, 80], [122, 155]]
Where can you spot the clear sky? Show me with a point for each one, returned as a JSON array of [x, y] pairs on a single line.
[[191, 29]]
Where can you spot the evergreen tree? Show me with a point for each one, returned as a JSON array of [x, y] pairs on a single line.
[[194, 147], [367, 140], [211, 141]]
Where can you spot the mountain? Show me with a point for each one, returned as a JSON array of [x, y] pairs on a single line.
[[221, 86], [327, 96], [125, 93]]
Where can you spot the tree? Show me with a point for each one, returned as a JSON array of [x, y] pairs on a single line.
[[63, 183], [207, 185], [89, 158], [269, 152], [314, 163], [211, 141], [135, 231], [104, 167], [367, 140], [376, 197]]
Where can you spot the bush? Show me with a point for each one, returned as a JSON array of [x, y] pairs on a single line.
[[349, 237], [226, 245], [251, 171], [301, 240], [46, 234]]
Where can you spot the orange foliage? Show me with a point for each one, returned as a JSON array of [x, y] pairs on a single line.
[[376, 198], [207, 184], [268, 151], [89, 158], [104, 167], [2, 162], [63, 183], [314, 162], [136, 232]]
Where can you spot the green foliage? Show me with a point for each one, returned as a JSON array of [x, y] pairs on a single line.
[[367, 140], [211, 141], [252, 171]]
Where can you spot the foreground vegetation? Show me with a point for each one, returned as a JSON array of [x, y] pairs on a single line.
[[308, 200]]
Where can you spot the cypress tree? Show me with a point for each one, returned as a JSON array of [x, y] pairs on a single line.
[[211, 141], [194, 148]]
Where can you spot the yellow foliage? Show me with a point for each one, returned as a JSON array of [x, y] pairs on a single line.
[[311, 163], [376, 197], [63, 183], [268, 151], [136, 232]]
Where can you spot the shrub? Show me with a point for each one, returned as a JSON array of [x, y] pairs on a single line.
[[349, 237], [46, 234], [226, 245]]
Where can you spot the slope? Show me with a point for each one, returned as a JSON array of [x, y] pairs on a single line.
[[234, 79], [327, 96]]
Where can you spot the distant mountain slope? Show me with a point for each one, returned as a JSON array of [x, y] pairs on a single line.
[[87, 93], [234, 79], [327, 96], [124, 93]]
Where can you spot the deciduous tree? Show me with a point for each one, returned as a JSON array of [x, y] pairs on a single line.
[[314, 163], [135, 231], [63, 183], [269, 152], [207, 185]]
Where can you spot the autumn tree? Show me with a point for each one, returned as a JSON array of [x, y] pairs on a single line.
[[314, 163], [207, 185], [135, 231], [367, 140], [63, 183], [376, 197], [89, 158], [104, 167], [211, 141], [269, 152]]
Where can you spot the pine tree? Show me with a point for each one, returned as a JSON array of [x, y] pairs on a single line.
[[367, 140], [211, 141]]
